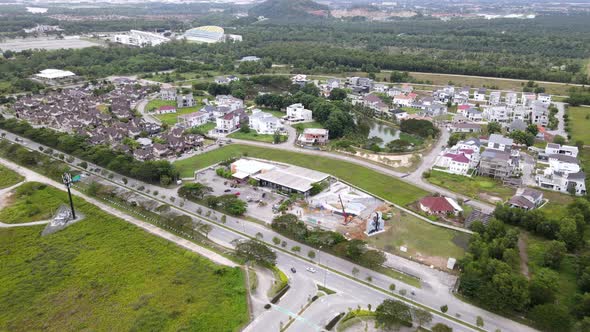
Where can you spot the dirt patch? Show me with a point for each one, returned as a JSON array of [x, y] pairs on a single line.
[[524, 257], [490, 198], [7, 199]]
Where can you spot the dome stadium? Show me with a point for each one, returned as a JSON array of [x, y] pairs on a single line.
[[205, 34]]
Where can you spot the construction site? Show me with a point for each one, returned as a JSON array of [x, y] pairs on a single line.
[[344, 209]]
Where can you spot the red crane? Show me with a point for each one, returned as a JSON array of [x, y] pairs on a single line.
[[343, 210]]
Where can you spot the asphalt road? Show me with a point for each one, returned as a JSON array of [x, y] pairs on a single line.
[[433, 297]]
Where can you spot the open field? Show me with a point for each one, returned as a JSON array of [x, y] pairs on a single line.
[[423, 240], [104, 274], [253, 136], [172, 118], [18, 45], [8, 177], [376, 183], [157, 103], [471, 187], [31, 202], [302, 126], [579, 122]]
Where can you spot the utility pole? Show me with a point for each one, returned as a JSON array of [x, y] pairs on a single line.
[[67, 180]]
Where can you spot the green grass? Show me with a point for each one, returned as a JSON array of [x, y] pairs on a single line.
[[376, 183], [421, 239], [579, 124], [567, 271], [103, 274], [471, 187], [157, 103], [302, 126], [172, 118], [253, 136], [32, 202], [281, 280], [277, 114], [557, 205], [326, 290], [9, 177]]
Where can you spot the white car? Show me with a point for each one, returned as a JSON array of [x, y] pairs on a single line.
[[311, 269]]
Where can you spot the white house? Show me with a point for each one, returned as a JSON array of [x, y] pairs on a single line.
[[500, 143], [382, 88], [453, 163], [567, 150], [563, 163], [227, 123], [193, 119], [495, 97], [479, 95], [230, 102], [544, 98], [511, 98], [166, 109], [298, 113], [167, 92], [405, 100], [264, 123], [528, 98]]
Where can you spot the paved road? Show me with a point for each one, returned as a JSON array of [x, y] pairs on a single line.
[[431, 296], [146, 115]]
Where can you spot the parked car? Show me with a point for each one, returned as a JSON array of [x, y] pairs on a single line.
[[293, 270], [227, 190], [311, 269], [237, 194]]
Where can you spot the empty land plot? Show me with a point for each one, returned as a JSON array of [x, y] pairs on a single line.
[[18, 45], [105, 274], [579, 123], [381, 185]]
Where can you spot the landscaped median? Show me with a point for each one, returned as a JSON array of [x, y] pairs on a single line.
[[8, 177], [389, 188]]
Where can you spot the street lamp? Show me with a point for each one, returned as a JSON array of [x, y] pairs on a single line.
[[325, 268], [67, 180]]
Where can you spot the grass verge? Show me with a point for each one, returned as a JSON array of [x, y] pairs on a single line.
[[31, 202], [9, 177], [473, 187], [579, 122]]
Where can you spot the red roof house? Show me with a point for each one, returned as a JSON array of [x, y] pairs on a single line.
[[439, 205]]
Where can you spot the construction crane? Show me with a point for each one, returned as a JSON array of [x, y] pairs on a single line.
[[343, 211]]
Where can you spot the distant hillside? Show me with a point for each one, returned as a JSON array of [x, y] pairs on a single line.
[[281, 9]]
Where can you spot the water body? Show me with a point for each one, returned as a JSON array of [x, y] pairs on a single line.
[[383, 131]]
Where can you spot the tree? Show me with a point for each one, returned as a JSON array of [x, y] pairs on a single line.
[[372, 258], [440, 327], [391, 314], [276, 240], [355, 249], [455, 138], [194, 191], [558, 139], [392, 287], [444, 308], [277, 137], [532, 129], [337, 94], [259, 236], [422, 317], [494, 128], [479, 321], [543, 286], [311, 254], [244, 127], [232, 205], [552, 317], [205, 229], [554, 253], [257, 251]]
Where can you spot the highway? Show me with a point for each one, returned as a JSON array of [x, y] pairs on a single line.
[[338, 277]]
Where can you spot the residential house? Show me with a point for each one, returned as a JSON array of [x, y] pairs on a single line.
[[143, 154], [313, 136], [479, 95], [381, 88], [526, 199], [375, 103], [500, 143], [360, 84], [511, 98], [539, 113], [166, 109], [227, 123], [333, 83], [544, 98], [194, 119], [435, 109], [440, 206], [167, 92], [465, 128], [567, 150], [405, 100], [497, 164], [264, 123], [572, 183], [445, 94], [564, 163], [230, 102], [454, 163], [185, 101], [298, 113], [500, 114], [160, 150], [517, 125], [527, 98], [226, 79], [495, 97], [399, 114], [393, 91], [474, 114], [300, 80]]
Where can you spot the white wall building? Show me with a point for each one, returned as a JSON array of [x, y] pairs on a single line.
[[298, 113], [264, 123]]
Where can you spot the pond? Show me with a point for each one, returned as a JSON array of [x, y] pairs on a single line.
[[383, 131]]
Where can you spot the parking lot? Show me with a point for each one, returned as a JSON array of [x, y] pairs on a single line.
[[260, 200]]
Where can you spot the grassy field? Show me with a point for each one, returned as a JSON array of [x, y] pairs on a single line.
[[313, 124], [157, 103], [579, 123], [421, 239], [207, 127], [471, 187], [8, 177], [103, 274], [172, 118], [444, 79], [556, 207], [387, 187], [31, 202], [277, 114], [253, 136]]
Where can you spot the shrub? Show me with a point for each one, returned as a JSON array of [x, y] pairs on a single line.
[[296, 248], [444, 308], [276, 240], [334, 321]]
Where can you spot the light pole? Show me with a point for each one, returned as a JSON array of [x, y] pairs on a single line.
[[67, 180], [325, 268]]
